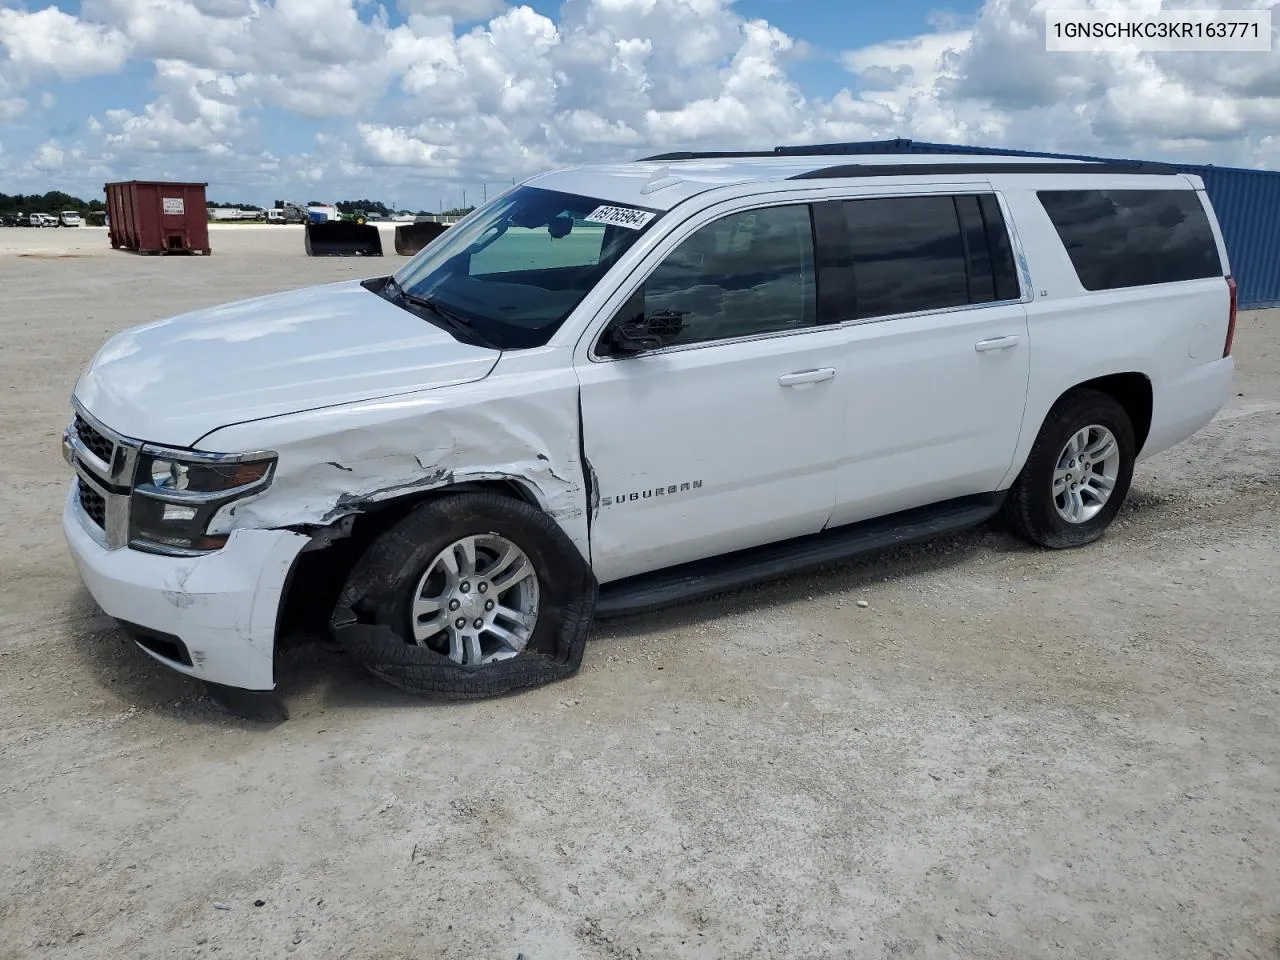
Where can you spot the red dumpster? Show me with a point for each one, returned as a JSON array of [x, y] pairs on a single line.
[[153, 217]]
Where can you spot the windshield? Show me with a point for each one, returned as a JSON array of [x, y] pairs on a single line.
[[516, 268]]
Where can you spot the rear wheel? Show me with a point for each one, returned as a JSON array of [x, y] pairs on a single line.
[[1077, 475], [471, 595]]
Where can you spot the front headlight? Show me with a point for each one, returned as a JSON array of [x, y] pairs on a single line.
[[177, 493], [171, 474]]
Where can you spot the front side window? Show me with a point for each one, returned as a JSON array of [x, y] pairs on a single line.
[[747, 274], [511, 274], [1130, 238]]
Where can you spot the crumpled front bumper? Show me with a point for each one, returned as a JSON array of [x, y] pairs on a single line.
[[221, 607]]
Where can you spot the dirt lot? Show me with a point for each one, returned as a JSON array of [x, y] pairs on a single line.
[[1006, 754]]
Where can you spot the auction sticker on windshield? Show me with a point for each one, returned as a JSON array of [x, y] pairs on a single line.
[[620, 217]]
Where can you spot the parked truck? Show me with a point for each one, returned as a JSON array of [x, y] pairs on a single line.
[[287, 211]]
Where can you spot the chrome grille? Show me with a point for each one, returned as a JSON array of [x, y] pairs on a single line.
[[93, 503], [104, 463], [98, 445]]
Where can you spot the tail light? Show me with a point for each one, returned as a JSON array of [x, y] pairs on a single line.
[[1231, 318]]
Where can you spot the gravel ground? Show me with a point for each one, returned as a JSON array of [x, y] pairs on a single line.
[[1005, 754]]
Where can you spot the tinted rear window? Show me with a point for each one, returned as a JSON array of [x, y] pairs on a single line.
[[1131, 238], [908, 255]]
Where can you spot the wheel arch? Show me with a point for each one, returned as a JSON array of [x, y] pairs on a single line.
[[319, 572], [373, 612], [1132, 390]]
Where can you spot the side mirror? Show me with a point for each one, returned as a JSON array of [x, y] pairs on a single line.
[[634, 332], [629, 338]]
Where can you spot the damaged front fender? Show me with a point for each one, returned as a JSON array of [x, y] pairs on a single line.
[[521, 427]]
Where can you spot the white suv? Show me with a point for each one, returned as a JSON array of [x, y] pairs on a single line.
[[616, 387]]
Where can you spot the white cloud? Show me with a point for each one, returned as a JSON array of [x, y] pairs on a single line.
[[909, 80], [396, 147], [755, 101], [474, 90], [459, 10], [51, 160], [196, 111], [1210, 103], [11, 108], [225, 8], [589, 126], [49, 156], [52, 43], [179, 30]]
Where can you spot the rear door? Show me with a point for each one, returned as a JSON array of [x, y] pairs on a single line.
[[937, 355]]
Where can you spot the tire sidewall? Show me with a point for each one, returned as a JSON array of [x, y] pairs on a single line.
[[1073, 416], [558, 588]]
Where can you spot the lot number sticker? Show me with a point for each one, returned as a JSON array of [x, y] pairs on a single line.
[[173, 206], [620, 217]]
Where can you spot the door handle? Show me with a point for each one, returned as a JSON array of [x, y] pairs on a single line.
[[806, 376], [995, 343]]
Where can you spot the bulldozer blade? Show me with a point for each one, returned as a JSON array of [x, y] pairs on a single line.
[[412, 237], [342, 238]]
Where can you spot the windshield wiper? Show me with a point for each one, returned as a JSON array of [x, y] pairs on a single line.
[[450, 321]]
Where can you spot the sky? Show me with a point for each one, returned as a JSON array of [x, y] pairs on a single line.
[[416, 102]]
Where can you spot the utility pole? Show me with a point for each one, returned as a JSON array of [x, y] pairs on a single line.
[[484, 193], [464, 200]]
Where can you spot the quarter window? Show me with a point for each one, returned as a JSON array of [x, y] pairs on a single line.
[[1130, 238], [746, 274]]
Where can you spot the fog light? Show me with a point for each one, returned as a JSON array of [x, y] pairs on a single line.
[[174, 512]]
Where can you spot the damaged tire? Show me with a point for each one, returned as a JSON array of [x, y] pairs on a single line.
[[471, 595]]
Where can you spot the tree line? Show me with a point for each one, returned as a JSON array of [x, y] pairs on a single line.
[[55, 201]]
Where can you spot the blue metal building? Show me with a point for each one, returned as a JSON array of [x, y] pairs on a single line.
[[1247, 203]]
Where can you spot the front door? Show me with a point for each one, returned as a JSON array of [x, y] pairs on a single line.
[[727, 436]]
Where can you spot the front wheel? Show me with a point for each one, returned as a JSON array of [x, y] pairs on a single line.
[[1077, 475], [471, 595]]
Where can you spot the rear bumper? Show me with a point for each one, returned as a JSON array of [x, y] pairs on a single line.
[[1183, 406], [222, 608]]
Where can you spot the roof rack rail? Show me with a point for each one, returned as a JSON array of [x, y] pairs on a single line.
[[708, 155], [980, 167], [802, 151]]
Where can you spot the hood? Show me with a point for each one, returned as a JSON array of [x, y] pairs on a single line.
[[173, 381]]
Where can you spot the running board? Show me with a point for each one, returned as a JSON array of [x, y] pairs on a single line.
[[652, 591]]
